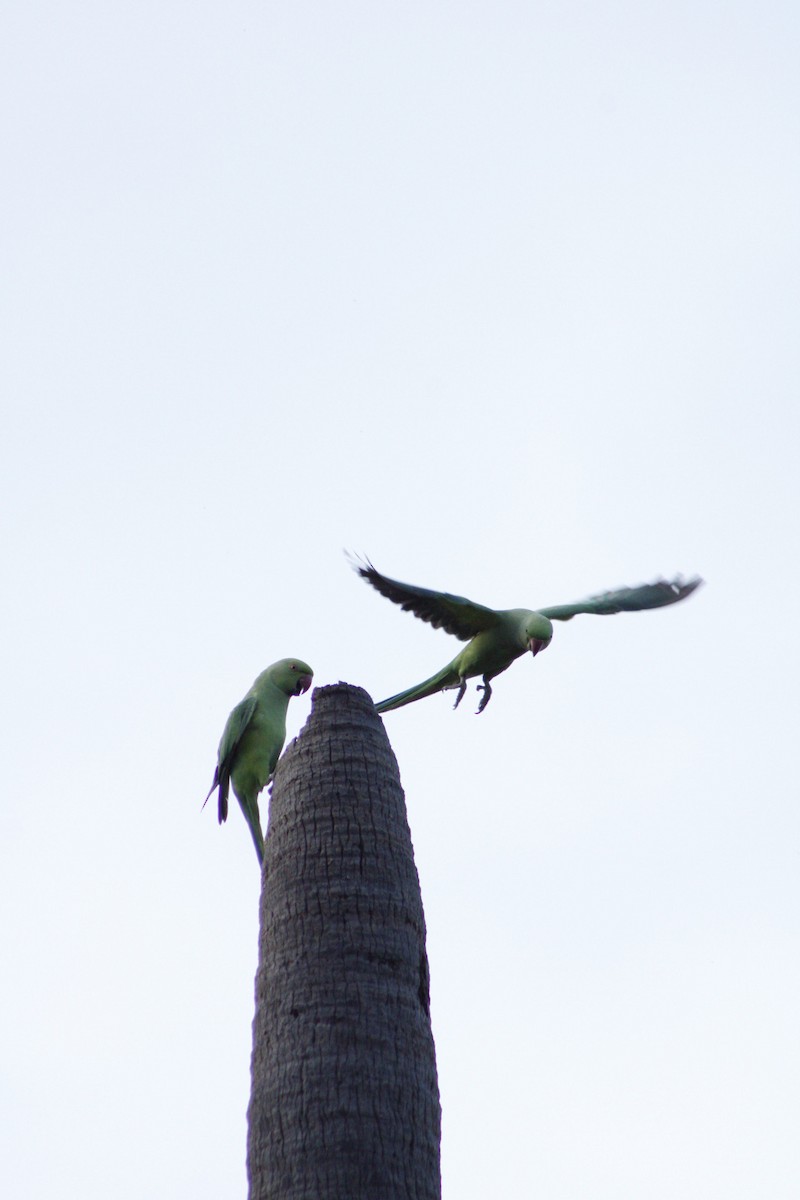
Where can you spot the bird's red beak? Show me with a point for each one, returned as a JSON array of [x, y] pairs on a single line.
[[535, 645], [303, 684]]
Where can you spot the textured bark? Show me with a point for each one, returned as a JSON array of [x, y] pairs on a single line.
[[344, 1102]]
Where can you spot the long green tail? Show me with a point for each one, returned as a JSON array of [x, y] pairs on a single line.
[[250, 809], [446, 678]]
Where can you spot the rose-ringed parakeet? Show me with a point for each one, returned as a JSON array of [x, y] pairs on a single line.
[[253, 739], [496, 637]]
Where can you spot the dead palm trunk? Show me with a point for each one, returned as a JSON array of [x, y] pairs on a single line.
[[344, 1103]]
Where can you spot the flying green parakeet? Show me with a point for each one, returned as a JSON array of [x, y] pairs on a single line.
[[496, 637], [253, 739]]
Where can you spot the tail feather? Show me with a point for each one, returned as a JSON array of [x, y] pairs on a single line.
[[213, 785], [446, 678], [249, 806], [224, 784]]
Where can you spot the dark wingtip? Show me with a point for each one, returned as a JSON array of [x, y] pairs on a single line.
[[222, 810], [682, 588], [360, 564]]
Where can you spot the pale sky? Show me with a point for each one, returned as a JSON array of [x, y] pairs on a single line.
[[504, 296]]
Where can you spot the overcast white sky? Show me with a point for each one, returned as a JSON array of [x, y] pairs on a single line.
[[504, 296]]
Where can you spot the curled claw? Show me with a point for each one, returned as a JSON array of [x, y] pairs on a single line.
[[487, 695]]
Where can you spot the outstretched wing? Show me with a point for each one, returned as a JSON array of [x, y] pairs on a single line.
[[454, 614], [648, 595], [232, 734]]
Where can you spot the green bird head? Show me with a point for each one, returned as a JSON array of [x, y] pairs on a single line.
[[291, 675], [538, 632]]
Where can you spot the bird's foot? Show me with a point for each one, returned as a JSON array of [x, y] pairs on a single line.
[[461, 690], [486, 697]]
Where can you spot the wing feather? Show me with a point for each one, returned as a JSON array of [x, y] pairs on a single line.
[[235, 726], [647, 595], [455, 614], [234, 729]]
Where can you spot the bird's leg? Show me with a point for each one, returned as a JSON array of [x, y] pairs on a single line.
[[487, 694], [462, 687]]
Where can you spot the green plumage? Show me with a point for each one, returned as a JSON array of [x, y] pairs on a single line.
[[497, 637], [253, 738]]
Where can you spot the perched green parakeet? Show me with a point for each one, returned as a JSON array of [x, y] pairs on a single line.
[[496, 638], [253, 739]]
